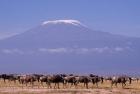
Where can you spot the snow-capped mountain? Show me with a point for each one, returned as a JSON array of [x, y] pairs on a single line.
[[68, 46]]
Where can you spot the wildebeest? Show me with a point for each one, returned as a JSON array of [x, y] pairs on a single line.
[[44, 78], [25, 79], [83, 79], [37, 76], [135, 79], [9, 77], [69, 80], [56, 79], [120, 79], [96, 79]]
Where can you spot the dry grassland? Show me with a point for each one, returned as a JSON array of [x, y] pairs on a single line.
[[16, 88]]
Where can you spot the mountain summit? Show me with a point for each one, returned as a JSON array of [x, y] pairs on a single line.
[[67, 46], [73, 22], [64, 32]]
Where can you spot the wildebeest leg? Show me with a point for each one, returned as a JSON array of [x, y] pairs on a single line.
[[71, 85], [93, 85], [63, 85], [123, 85], [116, 84], [39, 84], [86, 85], [26, 83], [130, 81], [137, 80], [112, 84], [54, 85], [76, 85], [97, 84], [32, 83], [10, 82], [67, 84], [4, 80], [21, 82], [42, 84], [22, 85], [58, 86], [15, 81], [49, 84], [102, 81]]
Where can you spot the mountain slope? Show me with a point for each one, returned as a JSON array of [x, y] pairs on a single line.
[[69, 46]]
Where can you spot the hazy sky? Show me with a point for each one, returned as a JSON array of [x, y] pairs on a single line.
[[115, 16]]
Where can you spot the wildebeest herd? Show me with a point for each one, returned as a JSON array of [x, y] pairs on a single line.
[[67, 80]]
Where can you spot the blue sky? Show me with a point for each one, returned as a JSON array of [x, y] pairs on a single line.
[[115, 16]]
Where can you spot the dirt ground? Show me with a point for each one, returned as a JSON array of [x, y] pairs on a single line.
[[67, 91], [12, 88]]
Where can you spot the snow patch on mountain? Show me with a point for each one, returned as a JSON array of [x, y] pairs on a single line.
[[73, 22]]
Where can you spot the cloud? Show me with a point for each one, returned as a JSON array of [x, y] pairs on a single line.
[[67, 50], [90, 50], [101, 50], [6, 51], [54, 50], [82, 50], [118, 49], [12, 51]]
